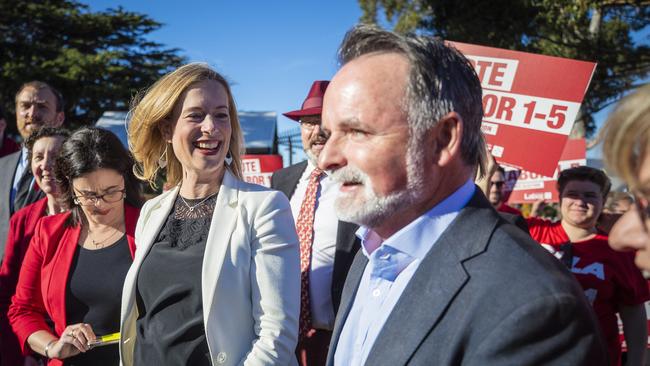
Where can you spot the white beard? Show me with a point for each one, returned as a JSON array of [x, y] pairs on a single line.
[[370, 210]]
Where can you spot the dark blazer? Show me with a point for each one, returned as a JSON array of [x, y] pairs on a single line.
[[516, 220], [8, 166], [485, 294], [44, 274], [347, 244]]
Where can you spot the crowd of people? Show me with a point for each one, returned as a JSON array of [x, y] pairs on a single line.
[[392, 244]]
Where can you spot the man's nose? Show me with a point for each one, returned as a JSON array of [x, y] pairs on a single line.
[[29, 111], [332, 156]]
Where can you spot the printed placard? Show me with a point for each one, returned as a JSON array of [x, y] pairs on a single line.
[[530, 104], [529, 187], [258, 169]]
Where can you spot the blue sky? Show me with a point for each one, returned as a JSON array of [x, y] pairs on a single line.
[[271, 51]]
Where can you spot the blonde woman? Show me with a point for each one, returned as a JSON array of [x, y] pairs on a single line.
[[216, 275], [626, 148]]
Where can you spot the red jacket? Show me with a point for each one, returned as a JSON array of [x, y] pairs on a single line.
[[44, 275], [21, 230]]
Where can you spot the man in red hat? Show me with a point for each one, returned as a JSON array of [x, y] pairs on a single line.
[[327, 246]]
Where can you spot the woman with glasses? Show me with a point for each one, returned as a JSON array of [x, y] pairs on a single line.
[[216, 278], [626, 148], [43, 147], [75, 265]]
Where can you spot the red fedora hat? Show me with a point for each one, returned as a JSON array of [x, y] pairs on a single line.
[[313, 104]]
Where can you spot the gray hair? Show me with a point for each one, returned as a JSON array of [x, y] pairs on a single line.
[[441, 80]]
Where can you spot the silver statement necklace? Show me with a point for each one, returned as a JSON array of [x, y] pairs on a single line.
[[191, 208]]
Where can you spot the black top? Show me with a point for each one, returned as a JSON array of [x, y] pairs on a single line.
[[93, 296], [170, 327]]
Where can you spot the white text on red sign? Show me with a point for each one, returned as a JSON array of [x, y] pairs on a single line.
[[494, 73], [250, 166], [536, 113]]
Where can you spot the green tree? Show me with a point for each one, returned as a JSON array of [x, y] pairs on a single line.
[[98, 60], [610, 32]]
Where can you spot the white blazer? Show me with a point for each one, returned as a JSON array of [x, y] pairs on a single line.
[[250, 277]]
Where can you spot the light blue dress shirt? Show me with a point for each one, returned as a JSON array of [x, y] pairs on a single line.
[[20, 168], [391, 265]]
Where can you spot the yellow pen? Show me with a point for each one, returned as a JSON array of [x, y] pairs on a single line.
[[105, 340]]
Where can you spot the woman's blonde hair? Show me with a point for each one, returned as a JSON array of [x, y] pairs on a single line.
[[627, 136], [155, 105]]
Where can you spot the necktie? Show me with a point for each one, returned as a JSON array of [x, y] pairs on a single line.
[[23, 189], [305, 228]]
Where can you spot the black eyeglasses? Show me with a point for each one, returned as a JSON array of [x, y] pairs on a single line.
[[93, 199]]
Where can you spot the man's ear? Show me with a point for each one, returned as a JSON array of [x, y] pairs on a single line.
[[59, 119], [447, 136], [166, 130]]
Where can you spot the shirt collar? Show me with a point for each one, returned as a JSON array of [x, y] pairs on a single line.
[[23, 155], [426, 228], [310, 168]]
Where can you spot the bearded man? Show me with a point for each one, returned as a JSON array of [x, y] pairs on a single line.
[[441, 278]]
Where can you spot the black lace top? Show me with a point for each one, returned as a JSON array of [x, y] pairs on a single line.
[[170, 324]]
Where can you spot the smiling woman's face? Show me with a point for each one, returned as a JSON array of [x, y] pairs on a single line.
[[201, 130], [44, 153]]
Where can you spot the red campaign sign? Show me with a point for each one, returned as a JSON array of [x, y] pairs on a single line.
[[259, 168], [530, 104], [530, 187]]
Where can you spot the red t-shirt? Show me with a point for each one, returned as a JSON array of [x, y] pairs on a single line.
[[508, 209], [609, 278]]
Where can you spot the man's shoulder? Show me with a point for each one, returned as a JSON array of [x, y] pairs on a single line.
[[11, 159], [290, 170], [518, 260], [8, 165]]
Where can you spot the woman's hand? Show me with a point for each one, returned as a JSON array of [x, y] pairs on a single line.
[[73, 341]]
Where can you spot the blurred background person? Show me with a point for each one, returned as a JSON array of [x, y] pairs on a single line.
[[609, 279], [497, 192], [327, 245], [626, 149], [43, 147], [75, 265], [37, 104], [7, 145], [216, 279], [616, 205], [618, 202]]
